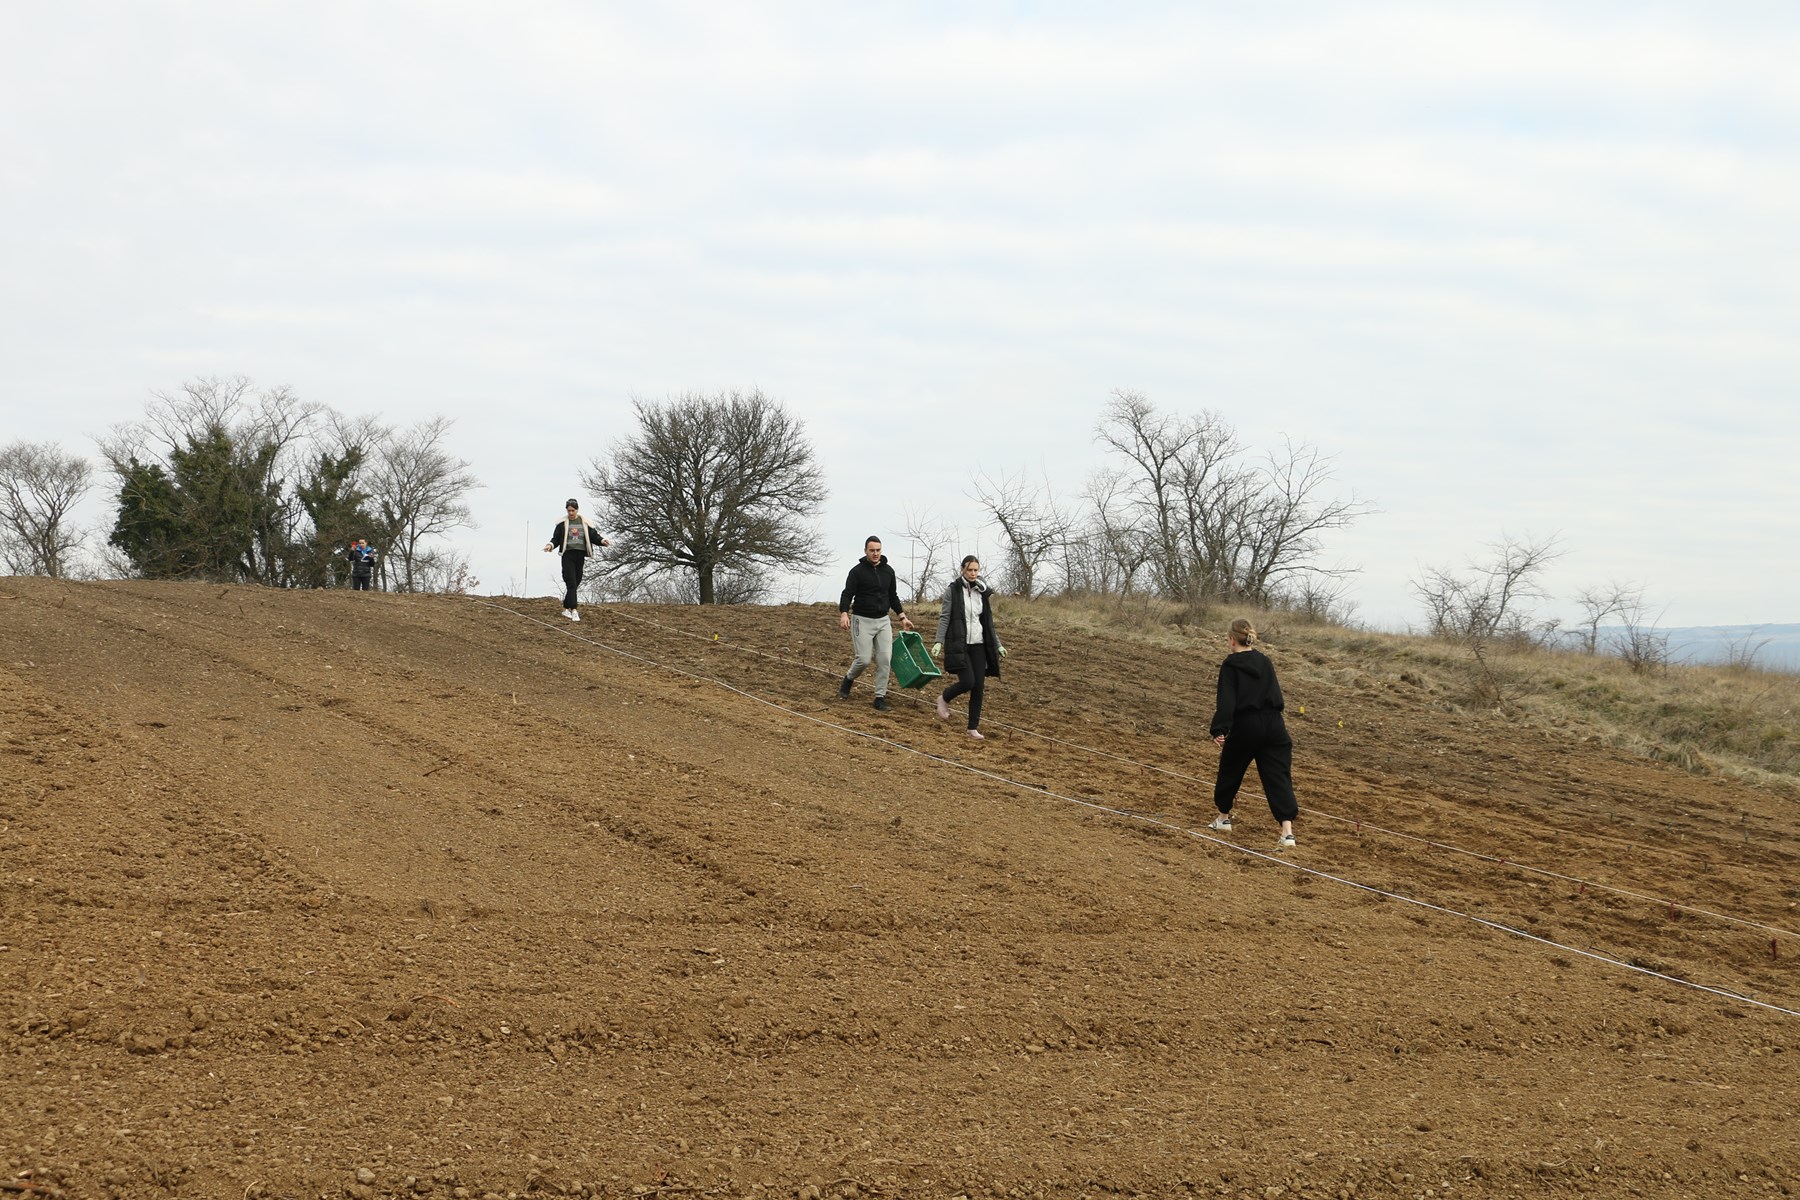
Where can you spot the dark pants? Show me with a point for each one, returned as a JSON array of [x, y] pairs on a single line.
[[573, 565], [971, 677], [359, 583], [1261, 738]]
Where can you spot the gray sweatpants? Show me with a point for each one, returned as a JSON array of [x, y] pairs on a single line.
[[872, 638]]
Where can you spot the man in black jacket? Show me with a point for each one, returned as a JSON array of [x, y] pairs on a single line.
[[870, 593]]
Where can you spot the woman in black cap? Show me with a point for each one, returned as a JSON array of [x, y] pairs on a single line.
[[576, 539]]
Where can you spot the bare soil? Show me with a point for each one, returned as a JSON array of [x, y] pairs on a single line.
[[337, 894]]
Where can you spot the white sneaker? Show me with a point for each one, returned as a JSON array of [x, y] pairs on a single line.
[[976, 734], [1285, 842], [943, 710], [1222, 823], [573, 615]]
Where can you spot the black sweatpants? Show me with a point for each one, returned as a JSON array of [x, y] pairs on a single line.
[[1261, 738], [972, 678], [573, 565], [359, 583]]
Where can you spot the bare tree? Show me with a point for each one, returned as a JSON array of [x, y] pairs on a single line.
[[715, 487], [1322, 596], [1600, 603], [419, 488], [1218, 499], [1212, 524], [444, 570], [1032, 527], [1644, 648], [39, 485], [1741, 653], [930, 538], [1489, 598], [1187, 493], [346, 435], [1279, 535], [1153, 443], [1106, 553]]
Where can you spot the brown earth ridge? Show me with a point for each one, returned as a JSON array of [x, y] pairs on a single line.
[[336, 894]]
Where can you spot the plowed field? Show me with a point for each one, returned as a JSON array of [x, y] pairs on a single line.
[[328, 894]]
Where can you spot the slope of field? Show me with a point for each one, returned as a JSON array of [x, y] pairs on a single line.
[[326, 894]]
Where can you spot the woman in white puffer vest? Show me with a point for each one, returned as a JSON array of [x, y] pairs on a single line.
[[967, 643]]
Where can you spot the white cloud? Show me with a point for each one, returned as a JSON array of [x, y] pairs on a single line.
[[1522, 264]]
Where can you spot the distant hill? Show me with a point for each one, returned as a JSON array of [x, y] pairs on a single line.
[[1777, 646]]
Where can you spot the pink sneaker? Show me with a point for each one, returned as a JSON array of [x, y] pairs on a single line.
[[943, 710], [976, 734]]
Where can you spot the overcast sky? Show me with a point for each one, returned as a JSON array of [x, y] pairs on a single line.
[[1523, 269]]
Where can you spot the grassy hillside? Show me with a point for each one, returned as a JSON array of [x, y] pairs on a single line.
[[1704, 718]]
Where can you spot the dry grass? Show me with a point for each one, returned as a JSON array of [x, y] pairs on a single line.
[[1731, 720], [1154, 620]]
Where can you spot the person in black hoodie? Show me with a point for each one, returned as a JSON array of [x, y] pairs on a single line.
[[967, 642], [870, 593], [1247, 725]]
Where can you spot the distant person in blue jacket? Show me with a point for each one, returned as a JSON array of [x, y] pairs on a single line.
[[1248, 727], [362, 565]]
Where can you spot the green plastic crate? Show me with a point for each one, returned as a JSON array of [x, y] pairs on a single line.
[[912, 665]]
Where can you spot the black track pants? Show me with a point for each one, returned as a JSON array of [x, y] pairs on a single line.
[[971, 679], [1261, 738], [572, 568]]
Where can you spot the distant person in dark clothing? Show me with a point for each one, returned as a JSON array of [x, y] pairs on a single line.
[[870, 594], [362, 565], [1248, 726], [967, 643], [576, 539]]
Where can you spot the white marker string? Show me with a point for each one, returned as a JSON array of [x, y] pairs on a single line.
[[1311, 810], [1147, 819]]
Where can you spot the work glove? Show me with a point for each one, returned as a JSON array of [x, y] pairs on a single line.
[[937, 649], [1003, 652]]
